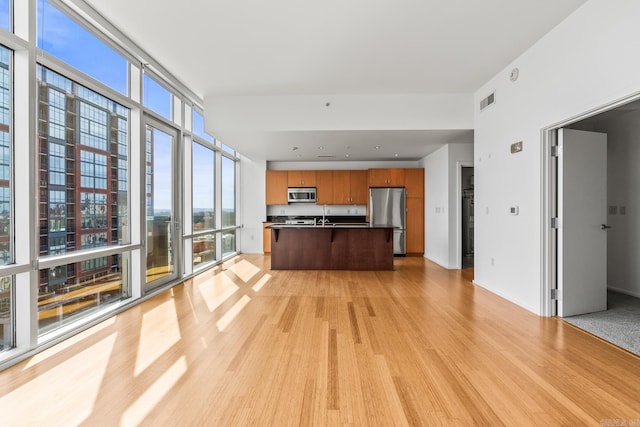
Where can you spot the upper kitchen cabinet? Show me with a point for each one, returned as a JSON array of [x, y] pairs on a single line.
[[359, 187], [392, 177], [301, 178], [414, 182], [324, 187], [277, 183], [350, 187]]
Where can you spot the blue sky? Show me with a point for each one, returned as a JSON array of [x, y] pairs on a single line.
[[4, 14], [65, 39]]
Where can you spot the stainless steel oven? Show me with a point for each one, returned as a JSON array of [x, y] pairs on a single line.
[[301, 195]]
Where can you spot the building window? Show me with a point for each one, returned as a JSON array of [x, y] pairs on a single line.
[[65, 39], [93, 170]]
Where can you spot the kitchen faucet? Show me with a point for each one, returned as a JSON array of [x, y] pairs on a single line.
[[323, 221]]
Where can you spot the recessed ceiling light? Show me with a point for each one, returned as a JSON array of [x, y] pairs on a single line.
[[321, 148], [346, 155], [396, 155], [377, 147]]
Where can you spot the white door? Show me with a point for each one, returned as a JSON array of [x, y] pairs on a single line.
[[582, 215]]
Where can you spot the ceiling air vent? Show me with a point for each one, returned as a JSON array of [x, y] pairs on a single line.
[[326, 157], [488, 101]]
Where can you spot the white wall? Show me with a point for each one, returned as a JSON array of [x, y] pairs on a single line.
[[252, 207], [436, 206], [582, 64], [442, 203]]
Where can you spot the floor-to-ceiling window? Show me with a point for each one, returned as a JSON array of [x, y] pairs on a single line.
[[6, 188], [160, 205], [83, 167], [81, 204], [92, 197], [203, 176], [228, 205]]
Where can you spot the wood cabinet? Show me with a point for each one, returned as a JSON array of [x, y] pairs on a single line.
[[301, 178], [324, 187], [266, 237], [415, 225], [276, 187], [414, 182], [391, 177], [359, 187], [350, 187], [414, 186]]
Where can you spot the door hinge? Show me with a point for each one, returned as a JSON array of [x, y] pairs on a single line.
[[555, 150], [555, 294], [554, 222]]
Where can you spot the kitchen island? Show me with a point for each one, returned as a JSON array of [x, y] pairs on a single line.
[[331, 247]]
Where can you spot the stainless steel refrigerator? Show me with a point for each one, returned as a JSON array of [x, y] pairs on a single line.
[[387, 207]]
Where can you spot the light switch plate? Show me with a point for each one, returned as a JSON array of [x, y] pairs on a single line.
[[514, 210]]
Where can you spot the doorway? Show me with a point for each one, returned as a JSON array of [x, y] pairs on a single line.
[[620, 122], [162, 226], [467, 218]]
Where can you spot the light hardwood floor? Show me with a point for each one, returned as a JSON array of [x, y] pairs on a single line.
[[243, 345]]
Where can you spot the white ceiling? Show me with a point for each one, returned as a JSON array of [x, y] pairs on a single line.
[[336, 47]]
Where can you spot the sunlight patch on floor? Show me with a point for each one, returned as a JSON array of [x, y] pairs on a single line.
[[60, 347], [83, 377], [136, 413], [159, 331], [244, 270], [206, 275], [217, 290], [260, 283], [232, 313]]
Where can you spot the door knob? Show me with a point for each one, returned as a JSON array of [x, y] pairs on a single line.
[[604, 226]]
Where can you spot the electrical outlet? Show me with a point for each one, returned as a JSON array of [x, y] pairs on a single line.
[[493, 262], [348, 211], [355, 211]]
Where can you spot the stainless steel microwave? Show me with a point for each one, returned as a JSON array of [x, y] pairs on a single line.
[[301, 195]]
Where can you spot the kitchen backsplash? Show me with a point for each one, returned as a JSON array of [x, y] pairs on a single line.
[[301, 209]]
